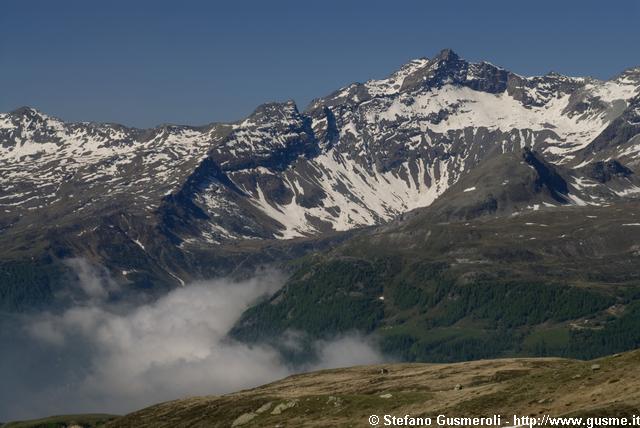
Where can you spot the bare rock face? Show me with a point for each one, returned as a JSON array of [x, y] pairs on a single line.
[[605, 171], [243, 419], [284, 406]]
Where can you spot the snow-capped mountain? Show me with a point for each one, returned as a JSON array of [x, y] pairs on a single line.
[[47, 163], [371, 151], [360, 156]]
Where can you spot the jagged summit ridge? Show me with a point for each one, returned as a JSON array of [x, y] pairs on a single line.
[[360, 156]]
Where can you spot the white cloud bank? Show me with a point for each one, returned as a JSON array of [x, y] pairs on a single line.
[[117, 359]]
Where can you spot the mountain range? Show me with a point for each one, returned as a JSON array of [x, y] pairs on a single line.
[[390, 202]]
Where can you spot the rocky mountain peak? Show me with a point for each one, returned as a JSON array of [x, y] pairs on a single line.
[[268, 112], [631, 75], [26, 111], [448, 68], [446, 55], [27, 116]]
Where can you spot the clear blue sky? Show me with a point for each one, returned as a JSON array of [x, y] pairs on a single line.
[[143, 63]]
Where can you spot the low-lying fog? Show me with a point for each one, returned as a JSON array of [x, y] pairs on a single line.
[[101, 357]]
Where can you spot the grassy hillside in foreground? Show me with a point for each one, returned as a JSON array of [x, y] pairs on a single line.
[[345, 397]]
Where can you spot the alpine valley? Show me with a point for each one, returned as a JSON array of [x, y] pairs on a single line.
[[453, 210]]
